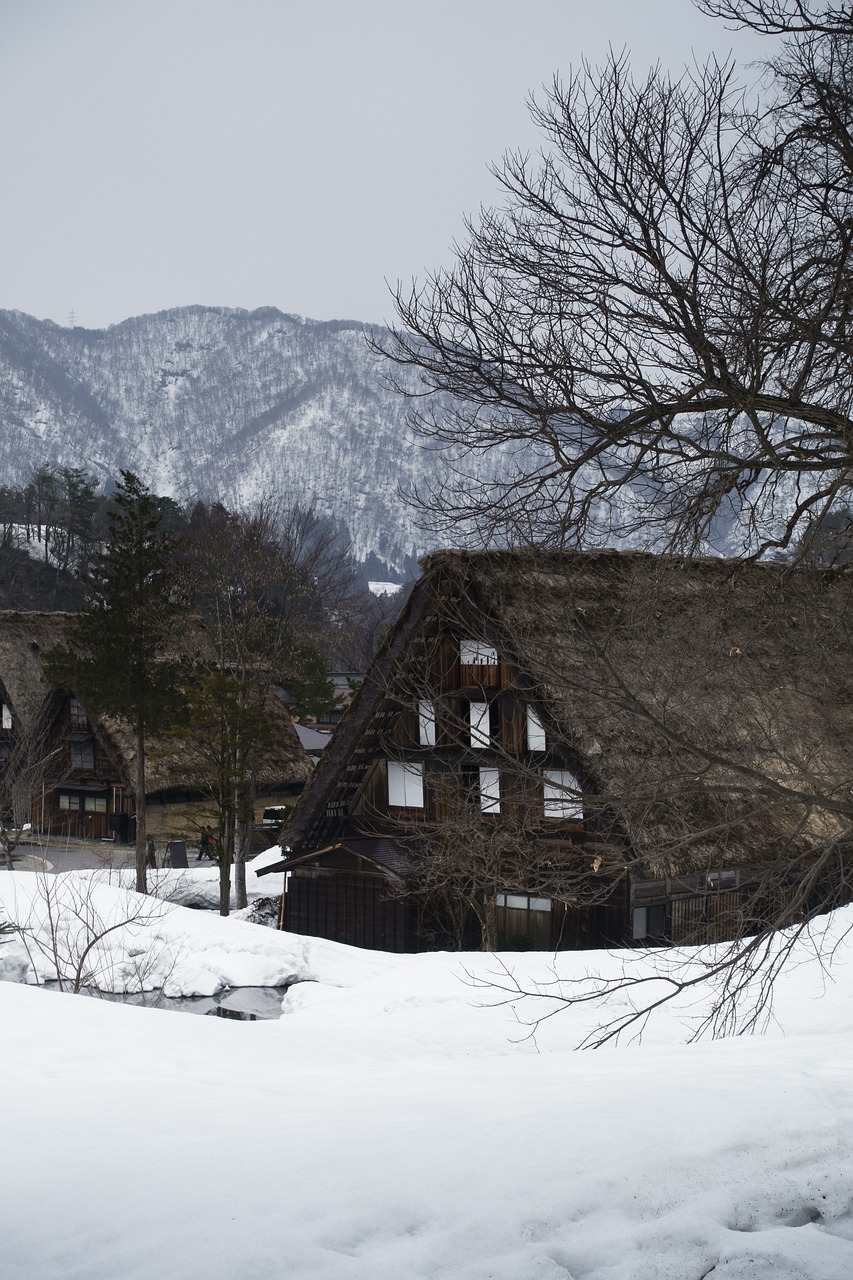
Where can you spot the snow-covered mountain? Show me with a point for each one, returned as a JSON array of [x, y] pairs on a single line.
[[214, 402]]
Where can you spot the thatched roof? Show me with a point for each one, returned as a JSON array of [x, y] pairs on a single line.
[[283, 763], [707, 705], [24, 637]]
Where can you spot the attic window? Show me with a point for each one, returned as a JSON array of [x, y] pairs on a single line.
[[426, 723], [562, 795], [76, 713], [535, 731], [405, 785], [490, 790], [7, 717], [473, 653]]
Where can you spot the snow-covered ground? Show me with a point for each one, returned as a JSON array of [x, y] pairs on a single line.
[[399, 1123]]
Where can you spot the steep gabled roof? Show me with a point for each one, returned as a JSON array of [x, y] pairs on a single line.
[[26, 636], [709, 703]]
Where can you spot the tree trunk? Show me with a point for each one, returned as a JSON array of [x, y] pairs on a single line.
[[141, 880], [226, 855], [241, 897], [245, 811], [224, 884], [488, 926]]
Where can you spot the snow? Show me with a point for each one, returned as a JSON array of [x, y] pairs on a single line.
[[400, 1122]]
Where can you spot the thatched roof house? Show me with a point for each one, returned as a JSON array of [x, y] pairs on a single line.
[[92, 758], [702, 709]]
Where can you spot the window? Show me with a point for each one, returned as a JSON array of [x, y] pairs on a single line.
[[82, 755], [473, 653], [76, 713], [426, 724], [490, 790], [95, 804], [562, 795], [405, 785], [535, 731], [67, 802], [649, 922], [479, 721], [7, 717], [722, 879], [522, 902]]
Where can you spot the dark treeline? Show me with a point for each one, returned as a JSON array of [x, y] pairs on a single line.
[[53, 528]]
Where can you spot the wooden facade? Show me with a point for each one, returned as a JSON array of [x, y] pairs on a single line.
[[454, 739], [86, 794], [354, 907]]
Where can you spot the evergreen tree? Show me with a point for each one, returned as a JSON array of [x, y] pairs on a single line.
[[80, 499], [115, 662]]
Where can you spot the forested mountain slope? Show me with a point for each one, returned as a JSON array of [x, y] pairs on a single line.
[[214, 402]]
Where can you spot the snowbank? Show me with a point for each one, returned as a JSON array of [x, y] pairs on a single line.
[[88, 924], [400, 1122]]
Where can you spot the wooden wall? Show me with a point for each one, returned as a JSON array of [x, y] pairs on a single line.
[[355, 909]]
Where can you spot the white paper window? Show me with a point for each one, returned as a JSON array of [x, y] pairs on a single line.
[[535, 731], [426, 724], [490, 790], [562, 794], [520, 901], [7, 717], [405, 785], [479, 717], [473, 653]]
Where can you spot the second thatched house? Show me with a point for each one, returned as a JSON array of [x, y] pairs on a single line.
[[562, 749], [84, 784]]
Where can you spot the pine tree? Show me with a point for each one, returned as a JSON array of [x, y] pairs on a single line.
[[116, 661]]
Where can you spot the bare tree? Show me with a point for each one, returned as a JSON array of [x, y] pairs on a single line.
[[655, 328], [655, 325], [29, 762], [73, 927], [266, 586]]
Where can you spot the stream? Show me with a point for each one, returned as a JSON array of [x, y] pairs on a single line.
[[243, 1004]]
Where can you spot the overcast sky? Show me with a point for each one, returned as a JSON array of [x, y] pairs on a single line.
[[294, 153]]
